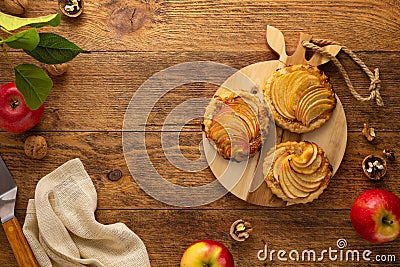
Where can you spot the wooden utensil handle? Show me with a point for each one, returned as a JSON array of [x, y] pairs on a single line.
[[19, 245]]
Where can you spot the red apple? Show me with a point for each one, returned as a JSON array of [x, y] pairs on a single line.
[[375, 215], [207, 253], [15, 116]]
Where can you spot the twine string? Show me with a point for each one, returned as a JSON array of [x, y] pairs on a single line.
[[375, 85]]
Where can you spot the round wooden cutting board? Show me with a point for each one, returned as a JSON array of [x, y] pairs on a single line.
[[249, 185]]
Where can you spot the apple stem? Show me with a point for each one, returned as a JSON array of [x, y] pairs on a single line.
[[387, 221], [14, 104], [6, 55]]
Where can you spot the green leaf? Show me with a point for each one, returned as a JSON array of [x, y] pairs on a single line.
[[54, 49], [12, 23], [53, 20], [27, 39], [33, 83]]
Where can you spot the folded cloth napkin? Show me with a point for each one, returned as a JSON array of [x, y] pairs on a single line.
[[61, 228]]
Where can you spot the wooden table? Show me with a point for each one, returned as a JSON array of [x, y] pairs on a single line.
[[132, 40]]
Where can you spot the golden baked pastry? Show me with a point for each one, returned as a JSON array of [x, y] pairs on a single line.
[[234, 121], [299, 173], [300, 98]]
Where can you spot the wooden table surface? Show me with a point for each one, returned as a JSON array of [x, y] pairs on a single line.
[[130, 41]]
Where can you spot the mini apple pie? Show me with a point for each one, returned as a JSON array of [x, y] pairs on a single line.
[[299, 173], [300, 97], [234, 121]]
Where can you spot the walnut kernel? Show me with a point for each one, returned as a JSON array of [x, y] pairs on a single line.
[[57, 69], [368, 132], [35, 147], [389, 154]]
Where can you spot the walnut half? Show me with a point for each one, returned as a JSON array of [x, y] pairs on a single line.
[[240, 230], [368, 132], [374, 167]]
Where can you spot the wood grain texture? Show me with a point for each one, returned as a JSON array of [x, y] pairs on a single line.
[[132, 40], [167, 233], [102, 91], [287, 231], [102, 152], [226, 25]]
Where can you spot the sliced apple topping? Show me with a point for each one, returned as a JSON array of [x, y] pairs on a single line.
[[305, 186], [279, 94], [290, 188], [279, 98], [299, 173], [319, 108], [278, 164], [296, 86], [284, 183], [300, 95], [307, 156], [234, 127], [311, 99]]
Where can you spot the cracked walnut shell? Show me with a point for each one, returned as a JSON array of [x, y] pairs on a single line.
[[240, 230], [374, 167], [71, 8]]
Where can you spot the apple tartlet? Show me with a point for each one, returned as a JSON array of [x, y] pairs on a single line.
[[300, 98], [234, 122], [299, 173]]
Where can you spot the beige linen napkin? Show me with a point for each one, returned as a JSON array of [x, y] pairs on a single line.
[[61, 228]]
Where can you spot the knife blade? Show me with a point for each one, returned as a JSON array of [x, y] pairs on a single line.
[[8, 193], [12, 228]]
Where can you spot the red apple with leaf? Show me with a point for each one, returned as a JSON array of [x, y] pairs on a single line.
[[15, 116], [207, 253], [375, 215], [31, 81]]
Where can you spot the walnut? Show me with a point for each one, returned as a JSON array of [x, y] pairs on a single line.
[[57, 69], [374, 167], [368, 132], [35, 147], [71, 8], [16, 7], [389, 154], [240, 230]]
